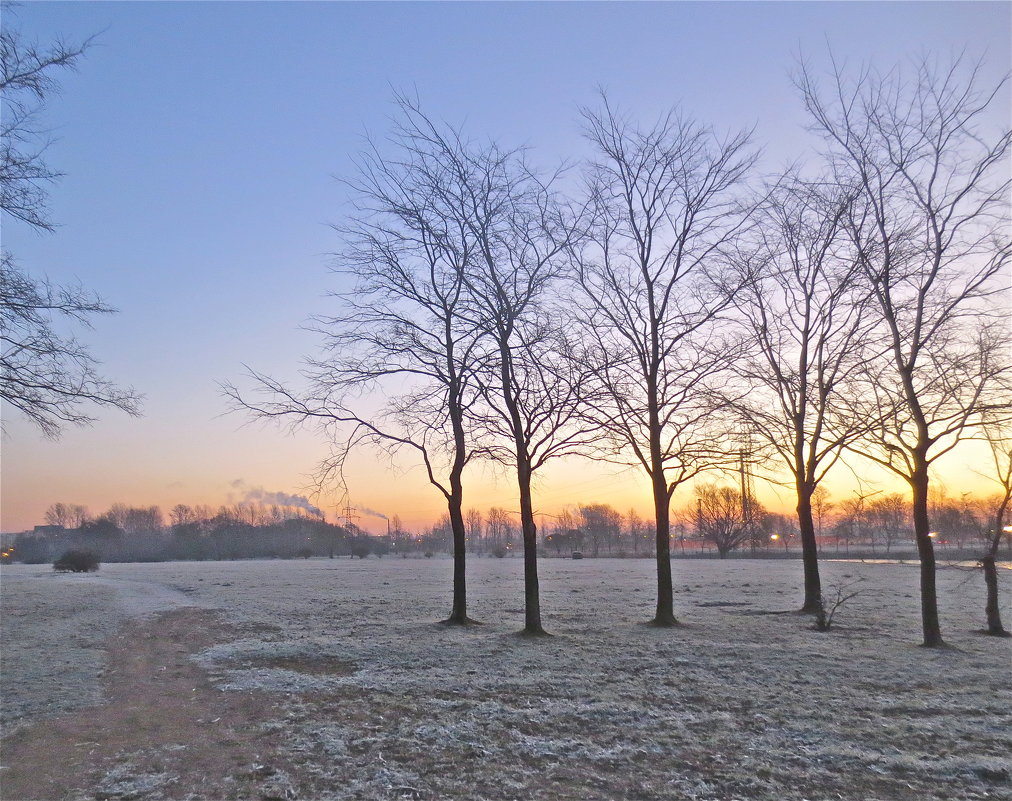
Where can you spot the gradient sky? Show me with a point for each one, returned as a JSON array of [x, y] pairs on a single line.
[[200, 143]]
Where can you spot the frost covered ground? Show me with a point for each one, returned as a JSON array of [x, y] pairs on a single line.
[[376, 701]]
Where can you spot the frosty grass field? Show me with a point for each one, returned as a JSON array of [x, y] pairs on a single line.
[[364, 697]]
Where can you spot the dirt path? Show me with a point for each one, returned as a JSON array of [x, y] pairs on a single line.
[[164, 730]]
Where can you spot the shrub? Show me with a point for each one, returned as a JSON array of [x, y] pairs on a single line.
[[77, 562], [828, 607], [499, 553], [361, 548]]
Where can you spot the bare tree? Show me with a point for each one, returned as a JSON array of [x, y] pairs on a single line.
[[638, 531], [665, 206], [67, 515], [148, 519], [852, 524], [822, 506], [534, 385], [26, 81], [516, 232], [182, 515], [600, 523], [405, 329], [930, 230], [720, 517], [50, 377], [830, 605], [57, 515], [473, 523], [999, 438], [499, 530], [802, 309], [890, 517]]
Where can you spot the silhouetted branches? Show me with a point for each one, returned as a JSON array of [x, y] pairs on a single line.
[[807, 332], [406, 328], [653, 273], [930, 235], [50, 377]]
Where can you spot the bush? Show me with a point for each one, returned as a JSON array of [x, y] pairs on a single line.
[[77, 562], [828, 606], [499, 553], [361, 548]]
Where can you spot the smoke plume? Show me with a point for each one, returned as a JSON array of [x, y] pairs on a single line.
[[262, 496]]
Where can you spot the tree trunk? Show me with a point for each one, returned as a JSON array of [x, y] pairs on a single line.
[[665, 615], [455, 506], [809, 550], [991, 609], [994, 626], [926, 552], [458, 614], [532, 597]]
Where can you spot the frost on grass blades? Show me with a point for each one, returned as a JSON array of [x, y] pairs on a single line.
[[357, 694]]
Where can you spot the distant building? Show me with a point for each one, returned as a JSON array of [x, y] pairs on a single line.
[[7, 538], [49, 531]]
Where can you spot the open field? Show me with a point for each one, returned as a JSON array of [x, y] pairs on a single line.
[[328, 679]]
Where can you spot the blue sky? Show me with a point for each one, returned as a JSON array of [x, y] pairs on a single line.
[[200, 143]]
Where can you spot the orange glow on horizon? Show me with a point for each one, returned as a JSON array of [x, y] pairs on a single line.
[[379, 490]]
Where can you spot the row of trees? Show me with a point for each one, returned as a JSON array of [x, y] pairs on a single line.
[[237, 531], [716, 516], [672, 309], [870, 521], [150, 519]]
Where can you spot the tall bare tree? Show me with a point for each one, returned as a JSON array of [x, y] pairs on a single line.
[[404, 330], [48, 376], [666, 205], [803, 309], [930, 230], [534, 386], [516, 232]]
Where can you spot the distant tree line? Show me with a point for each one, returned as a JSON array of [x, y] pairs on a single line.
[[716, 521], [237, 531], [712, 522]]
